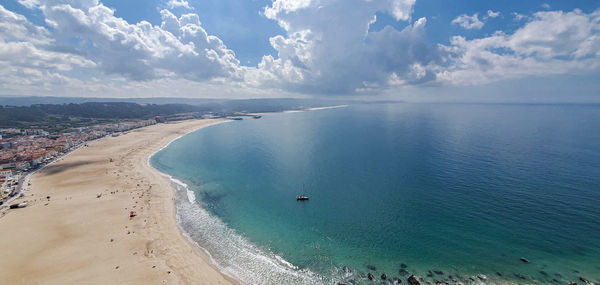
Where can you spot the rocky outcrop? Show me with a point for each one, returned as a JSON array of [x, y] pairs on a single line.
[[412, 280]]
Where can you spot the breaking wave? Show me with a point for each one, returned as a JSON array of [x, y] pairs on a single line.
[[232, 253]]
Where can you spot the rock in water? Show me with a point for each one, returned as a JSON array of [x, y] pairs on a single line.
[[403, 265], [383, 276], [346, 269], [438, 272], [370, 276], [524, 259], [371, 267], [397, 280], [412, 280], [403, 272]]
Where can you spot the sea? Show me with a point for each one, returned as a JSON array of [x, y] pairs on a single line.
[[469, 193]]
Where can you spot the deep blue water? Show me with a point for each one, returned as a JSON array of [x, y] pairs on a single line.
[[465, 189]]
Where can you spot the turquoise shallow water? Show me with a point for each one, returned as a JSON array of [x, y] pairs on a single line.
[[464, 189]]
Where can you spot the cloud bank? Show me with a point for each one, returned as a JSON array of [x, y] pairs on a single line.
[[552, 42], [29, 56], [328, 47], [141, 51]]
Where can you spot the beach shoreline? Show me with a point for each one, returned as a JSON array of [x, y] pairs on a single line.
[[74, 236]]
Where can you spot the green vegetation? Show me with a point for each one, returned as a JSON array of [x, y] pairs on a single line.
[[55, 114], [54, 118]]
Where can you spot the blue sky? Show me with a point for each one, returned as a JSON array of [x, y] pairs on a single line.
[[434, 50]]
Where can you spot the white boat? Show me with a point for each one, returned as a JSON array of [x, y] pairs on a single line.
[[302, 197]]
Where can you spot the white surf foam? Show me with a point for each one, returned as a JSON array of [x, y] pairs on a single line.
[[232, 253]]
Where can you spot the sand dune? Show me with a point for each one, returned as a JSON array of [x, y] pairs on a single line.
[[76, 238]]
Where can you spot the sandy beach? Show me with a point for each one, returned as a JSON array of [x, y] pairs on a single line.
[[76, 238]]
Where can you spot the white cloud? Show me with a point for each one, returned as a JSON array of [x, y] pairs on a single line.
[[86, 40], [26, 54], [141, 51], [172, 4], [285, 6], [328, 48], [492, 14], [312, 56], [30, 4], [29, 56], [468, 22], [402, 9], [519, 17], [546, 6], [15, 27], [552, 43], [473, 22]]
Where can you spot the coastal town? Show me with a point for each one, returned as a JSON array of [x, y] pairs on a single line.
[[23, 151]]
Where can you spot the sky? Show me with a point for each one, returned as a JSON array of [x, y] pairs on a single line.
[[412, 50]]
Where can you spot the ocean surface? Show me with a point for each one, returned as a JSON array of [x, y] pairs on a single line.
[[453, 191]]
